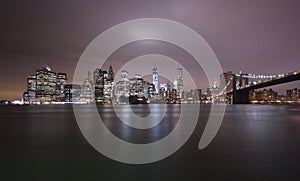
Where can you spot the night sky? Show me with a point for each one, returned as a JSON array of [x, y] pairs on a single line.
[[258, 36]]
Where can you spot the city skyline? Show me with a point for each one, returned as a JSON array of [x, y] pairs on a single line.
[[257, 37], [100, 86], [150, 90]]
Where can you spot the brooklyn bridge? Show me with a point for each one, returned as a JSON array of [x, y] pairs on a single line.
[[237, 87]]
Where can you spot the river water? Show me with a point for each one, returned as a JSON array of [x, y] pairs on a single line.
[[254, 142]]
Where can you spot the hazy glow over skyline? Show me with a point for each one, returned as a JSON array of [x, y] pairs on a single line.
[[259, 37]]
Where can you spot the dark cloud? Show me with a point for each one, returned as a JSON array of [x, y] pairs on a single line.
[[259, 36]]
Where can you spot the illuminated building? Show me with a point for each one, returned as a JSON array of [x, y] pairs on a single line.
[[108, 86], [45, 85], [31, 88], [99, 85], [207, 96], [146, 93], [72, 92], [289, 95], [191, 96], [293, 95], [87, 90], [61, 81], [175, 84], [122, 89], [138, 90], [163, 91], [134, 90], [155, 79], [180, 82], [26, 98], [95, 75], [173, 96], [272, 96], [199, 94], [136, 86], [110, 74], [151, 90], [264, 96]]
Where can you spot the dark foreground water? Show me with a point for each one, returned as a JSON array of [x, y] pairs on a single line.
[[255, 142]]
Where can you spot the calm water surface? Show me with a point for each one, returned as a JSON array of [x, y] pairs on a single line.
[[255, 142]]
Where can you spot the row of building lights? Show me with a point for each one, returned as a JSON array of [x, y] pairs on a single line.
[[46, 86]]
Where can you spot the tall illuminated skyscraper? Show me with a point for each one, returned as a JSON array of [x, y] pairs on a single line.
[[61, 82], [87, 90], [110, 74], [122, 88], [155, 79], [31, 88], [108, 86], [45, 85], [180, 82], [99, 85]]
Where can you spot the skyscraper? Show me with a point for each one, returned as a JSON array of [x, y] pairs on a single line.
[[122, 88], [61, 81], [180, 82], [72, 92], [86, 93], [151, 90], [136, 86], [110, 74], [31, 88], [45, 85], [99, 85], [108, 86], [155, 79]]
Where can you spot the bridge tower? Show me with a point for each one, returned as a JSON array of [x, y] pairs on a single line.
[[239, 96]]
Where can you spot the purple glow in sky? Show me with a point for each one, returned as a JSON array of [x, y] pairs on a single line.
[[258, 36]]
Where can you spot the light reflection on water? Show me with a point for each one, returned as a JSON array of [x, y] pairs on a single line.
[[162, 125], [255, 142]]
